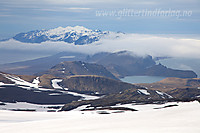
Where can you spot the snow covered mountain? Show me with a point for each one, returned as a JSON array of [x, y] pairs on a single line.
[[78, 35]]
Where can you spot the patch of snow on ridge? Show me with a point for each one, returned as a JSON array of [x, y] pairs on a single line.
[[19, 81], [168, 95], [143, 91], [81, 107], [163, 94], [55, 83], [36, 81], [160, 93], [55, 94], [2, 84], [67, 57], [85, 97]]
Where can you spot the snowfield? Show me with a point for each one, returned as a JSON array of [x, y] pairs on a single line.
[[145, 92], [28, 106], [19, 81], [55, 83], [178, 119]]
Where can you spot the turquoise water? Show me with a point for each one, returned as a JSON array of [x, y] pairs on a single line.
[[142, 79]]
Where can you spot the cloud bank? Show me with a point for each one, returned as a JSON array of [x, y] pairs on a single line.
[[137, 43]]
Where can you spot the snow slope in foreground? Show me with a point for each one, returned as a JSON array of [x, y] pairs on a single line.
[[180, 119]]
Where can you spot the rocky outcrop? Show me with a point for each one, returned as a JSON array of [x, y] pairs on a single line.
[[69, 68], [92, 83]]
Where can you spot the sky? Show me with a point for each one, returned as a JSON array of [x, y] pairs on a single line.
[[129, 16]]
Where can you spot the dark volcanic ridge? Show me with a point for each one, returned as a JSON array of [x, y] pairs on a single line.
[[69, 68], [69, 81], [119, 64]]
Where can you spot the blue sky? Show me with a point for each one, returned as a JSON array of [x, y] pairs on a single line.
[[25, 15]]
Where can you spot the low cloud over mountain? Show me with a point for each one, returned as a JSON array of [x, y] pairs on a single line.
[[138, 43]]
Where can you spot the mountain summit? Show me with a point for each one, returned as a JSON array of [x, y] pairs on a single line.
[[78, 35]]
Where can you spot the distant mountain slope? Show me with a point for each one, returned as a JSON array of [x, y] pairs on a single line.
[[69, 68], [120, 64], [125, 63], [77, 35], [185, 93], [31, 67], [173, 83], [161, 70]]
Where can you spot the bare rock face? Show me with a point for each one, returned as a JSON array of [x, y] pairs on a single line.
[[92, 83]]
